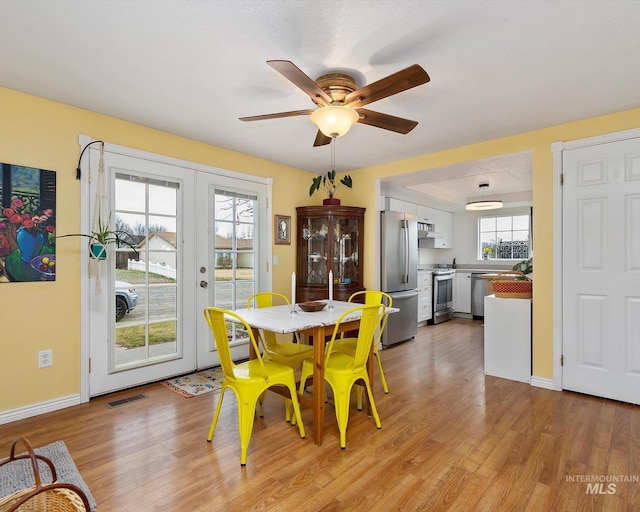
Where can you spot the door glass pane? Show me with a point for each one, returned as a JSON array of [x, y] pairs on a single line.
[[234, 227], [347, 233], [147, 283], [314, 251]]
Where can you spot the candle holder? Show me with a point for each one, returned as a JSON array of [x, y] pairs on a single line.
[[293, 309]]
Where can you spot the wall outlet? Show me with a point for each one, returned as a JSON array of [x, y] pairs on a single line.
[[45, 358]]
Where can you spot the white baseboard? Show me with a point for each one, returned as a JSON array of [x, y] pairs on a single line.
[[37, 409], [539, 382]]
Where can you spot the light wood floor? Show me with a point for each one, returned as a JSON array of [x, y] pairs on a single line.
[[451, 439]]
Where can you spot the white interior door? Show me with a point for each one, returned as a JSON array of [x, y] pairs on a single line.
[[601, 269], [234, 250]]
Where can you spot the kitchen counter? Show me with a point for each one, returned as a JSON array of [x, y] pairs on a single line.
[[431, 268], [483, 270]]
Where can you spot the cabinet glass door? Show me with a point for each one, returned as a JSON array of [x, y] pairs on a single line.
[[314, 250], [345, 258]]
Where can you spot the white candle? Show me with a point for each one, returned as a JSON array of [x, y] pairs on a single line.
[[293, 288], [330, 285]]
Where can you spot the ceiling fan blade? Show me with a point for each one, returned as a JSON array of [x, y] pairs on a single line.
[[386, 121], [388, 86], [321, 140], [296, 76], [292, 113]]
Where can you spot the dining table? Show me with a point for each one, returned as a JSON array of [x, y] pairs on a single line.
[[317, 325]]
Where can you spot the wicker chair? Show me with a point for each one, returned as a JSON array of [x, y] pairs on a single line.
[[53, 497]]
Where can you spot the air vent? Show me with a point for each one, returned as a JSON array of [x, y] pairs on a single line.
[[122, 401]]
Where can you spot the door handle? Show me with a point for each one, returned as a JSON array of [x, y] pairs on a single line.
[[203, 284]]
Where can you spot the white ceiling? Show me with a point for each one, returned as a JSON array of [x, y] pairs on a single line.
[[509, 178], [192, 68]]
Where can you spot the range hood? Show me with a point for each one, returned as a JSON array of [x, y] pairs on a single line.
[[426, 230]]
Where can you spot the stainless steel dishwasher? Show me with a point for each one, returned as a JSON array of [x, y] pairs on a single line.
[[478, 291]]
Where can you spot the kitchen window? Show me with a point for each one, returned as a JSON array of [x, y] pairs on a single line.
[[504, 238]]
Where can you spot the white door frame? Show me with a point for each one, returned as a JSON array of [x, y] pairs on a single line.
[[557, 148], [85, 227]]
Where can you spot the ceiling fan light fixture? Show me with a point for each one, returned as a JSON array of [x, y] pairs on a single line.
[[482, 203], [334, 121]]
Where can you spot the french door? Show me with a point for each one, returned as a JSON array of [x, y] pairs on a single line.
[[232, 254], [198, 243]]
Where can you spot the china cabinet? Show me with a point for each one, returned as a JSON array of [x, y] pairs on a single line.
[[329, 238]]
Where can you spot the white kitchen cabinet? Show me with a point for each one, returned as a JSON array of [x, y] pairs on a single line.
[[444, 225], [410, 208], [424, 214], [397, 205], [394, 205], [425, 296], [507, 338], [443, 221], [462, 292]]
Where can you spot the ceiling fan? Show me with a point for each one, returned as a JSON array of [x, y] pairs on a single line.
[[340, 102]]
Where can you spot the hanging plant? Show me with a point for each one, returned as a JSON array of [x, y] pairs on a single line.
[[102, 237]]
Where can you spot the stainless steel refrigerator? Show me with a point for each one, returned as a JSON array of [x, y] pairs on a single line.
[[399, 274]]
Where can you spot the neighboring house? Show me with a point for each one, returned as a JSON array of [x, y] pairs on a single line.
[[223, 252], [161, 248]]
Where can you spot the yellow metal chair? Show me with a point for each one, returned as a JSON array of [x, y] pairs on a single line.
[[348, 345], [248, 380], [342, 370], [288, 354]]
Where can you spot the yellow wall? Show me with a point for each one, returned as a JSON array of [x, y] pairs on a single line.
[[35, 316], [539, 142], [41, 133]]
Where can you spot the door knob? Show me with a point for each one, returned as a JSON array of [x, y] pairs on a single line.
[[203, 284]]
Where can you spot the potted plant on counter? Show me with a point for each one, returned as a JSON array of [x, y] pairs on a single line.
[[525, 266], [329, 185]]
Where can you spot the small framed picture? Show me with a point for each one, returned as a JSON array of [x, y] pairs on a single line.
[[283, 229]]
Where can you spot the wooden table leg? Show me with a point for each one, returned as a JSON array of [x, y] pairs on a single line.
[[256, 335], [318, 384]]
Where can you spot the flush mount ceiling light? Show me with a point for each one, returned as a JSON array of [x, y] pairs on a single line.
[[482, 203], [334, 121]]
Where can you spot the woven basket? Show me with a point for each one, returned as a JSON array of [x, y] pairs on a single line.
[[52, 497], [512, 285]]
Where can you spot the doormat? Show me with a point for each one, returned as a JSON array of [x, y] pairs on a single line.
[[196, 384], [19, 474]]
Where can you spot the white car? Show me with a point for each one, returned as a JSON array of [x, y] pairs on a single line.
[[126, 299]]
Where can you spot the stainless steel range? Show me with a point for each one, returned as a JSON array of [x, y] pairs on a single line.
[[442, 295]]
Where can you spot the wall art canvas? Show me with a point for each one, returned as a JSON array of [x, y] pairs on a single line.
[[27, 224]]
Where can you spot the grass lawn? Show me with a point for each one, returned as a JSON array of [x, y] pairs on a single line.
[[137, 277], [133, 337]]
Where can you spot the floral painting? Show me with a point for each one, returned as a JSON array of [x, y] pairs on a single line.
[[27, 224]]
